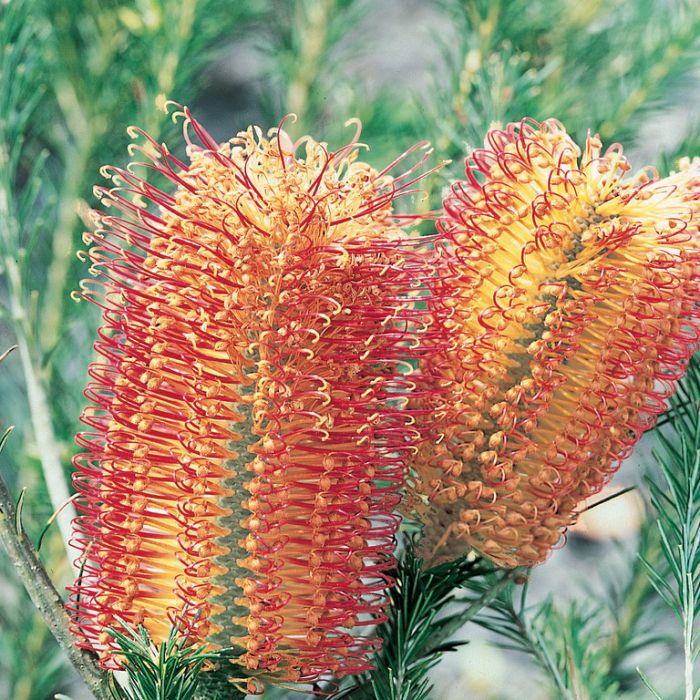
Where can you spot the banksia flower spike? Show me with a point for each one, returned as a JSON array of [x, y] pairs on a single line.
[[574, 289], [248, 427]]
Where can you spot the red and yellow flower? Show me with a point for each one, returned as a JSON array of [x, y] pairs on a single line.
[[574, 294], [248, 426]]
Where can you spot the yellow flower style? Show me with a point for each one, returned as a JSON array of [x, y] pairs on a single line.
[[574, 294]]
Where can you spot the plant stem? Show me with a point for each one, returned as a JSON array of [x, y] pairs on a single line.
[[313, 38], [689, 606], [632, 609], [44, 595], [472, 610], [63, 249], [688, 551], [44, 434], [688, 644], [541, 652]]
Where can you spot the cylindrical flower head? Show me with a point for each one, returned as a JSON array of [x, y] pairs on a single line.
[[248, 429], [575, 293]]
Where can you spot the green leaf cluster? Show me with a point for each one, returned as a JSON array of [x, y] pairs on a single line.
[[417, 629], [172, 670], [674, 489], [586, 649]]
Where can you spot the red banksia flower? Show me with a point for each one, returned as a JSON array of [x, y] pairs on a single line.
[[574, 292], [248, 427]]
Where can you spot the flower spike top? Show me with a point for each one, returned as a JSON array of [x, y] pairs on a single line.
[[248, 427], [574, 290]]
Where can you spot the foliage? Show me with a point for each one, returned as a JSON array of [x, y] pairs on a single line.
[[415, 631], [598, 67], [74, 74], [675, 496], [169, 671], [584, 648]]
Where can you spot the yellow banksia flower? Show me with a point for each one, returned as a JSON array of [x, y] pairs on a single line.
[[248, 427], [574, 289]]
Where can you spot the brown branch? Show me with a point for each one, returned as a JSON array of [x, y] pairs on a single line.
[[44, 595]]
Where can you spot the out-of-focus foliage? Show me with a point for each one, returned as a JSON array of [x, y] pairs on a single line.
[[75, 73], [598, 65]]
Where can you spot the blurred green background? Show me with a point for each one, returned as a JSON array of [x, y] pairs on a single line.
[[75, 73]]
